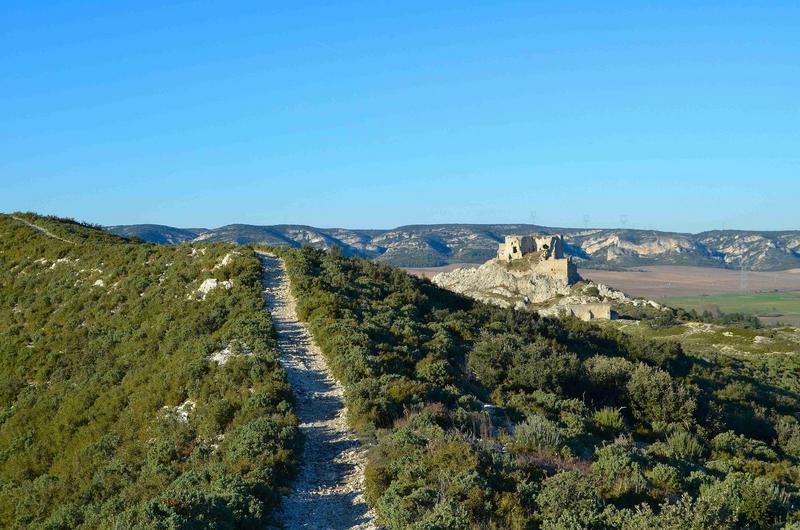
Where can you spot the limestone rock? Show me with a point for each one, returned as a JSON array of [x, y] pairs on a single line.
[[496, 283], [209, 285]]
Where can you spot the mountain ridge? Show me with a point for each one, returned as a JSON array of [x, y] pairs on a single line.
[[430, 245]]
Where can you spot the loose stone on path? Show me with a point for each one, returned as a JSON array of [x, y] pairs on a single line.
[[329, 490]]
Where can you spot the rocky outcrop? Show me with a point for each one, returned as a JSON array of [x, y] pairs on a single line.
[[499, 284], [209, 285], [590, 294], [496, 283]]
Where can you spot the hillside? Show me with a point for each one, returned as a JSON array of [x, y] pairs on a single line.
[[139, 385], [435, 245], [492, 418], [157, 233]]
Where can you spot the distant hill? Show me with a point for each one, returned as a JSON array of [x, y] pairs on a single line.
[[442, 244], [157, 233]]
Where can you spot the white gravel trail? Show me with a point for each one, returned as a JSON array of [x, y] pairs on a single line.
[[41, 230], [328, 492]]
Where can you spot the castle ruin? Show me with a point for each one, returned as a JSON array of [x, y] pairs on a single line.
[[545, 255], [533, 272], [516, 247]]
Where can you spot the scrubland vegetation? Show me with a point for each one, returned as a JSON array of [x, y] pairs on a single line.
[[112, 412], [130, 397], [489, 418]]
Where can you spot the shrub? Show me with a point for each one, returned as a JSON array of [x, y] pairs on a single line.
[[666, 480], [682, 445], [543, 365], [729, 444], [507, 360], [608, 421], [591, 290], [445, 514], [491, 356], [655, 397], [618, 472], [568, 500], [607, 378], [788, 430], [434, 370], [537, 433], [743, 501]]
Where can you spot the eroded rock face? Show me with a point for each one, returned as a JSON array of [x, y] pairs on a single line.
[[496, 283]]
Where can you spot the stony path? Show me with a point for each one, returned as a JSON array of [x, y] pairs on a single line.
[[328, 492], [41, 230]]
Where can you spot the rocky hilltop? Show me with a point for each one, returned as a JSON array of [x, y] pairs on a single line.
[[435, 245], [497, 283], [534, 273]]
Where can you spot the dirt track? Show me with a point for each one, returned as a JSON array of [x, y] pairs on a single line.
[[328, 493], [41, 230]]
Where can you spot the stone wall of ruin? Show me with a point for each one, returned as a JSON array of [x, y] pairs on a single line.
[[590, 311], [563, 268]]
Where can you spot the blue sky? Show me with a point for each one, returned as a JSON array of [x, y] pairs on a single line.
[[681, 116]]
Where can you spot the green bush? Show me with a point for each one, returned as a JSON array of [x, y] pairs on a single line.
[[607, 378], [684, 446], [537, 433], [655, 397], [568, 500], [510, 361], [744, 501], [666, 480], [618, 471], [729, 444], [788, 430], [608, 421]]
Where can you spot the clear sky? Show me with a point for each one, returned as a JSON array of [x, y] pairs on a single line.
[[671, 115]]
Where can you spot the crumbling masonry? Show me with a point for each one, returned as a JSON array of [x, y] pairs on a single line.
[[544, 255], [547, 253]]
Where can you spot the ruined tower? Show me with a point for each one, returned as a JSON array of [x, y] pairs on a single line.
[[545, 253]]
